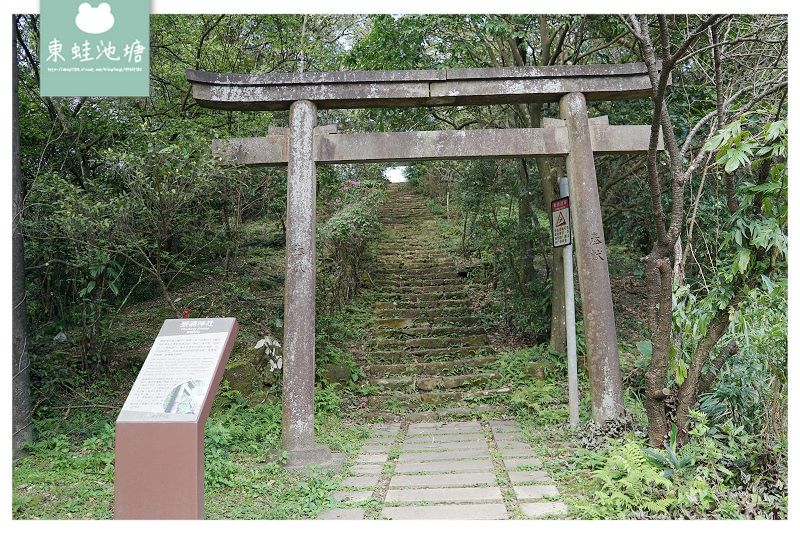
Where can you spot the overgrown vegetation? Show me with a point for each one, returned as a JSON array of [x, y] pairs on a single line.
[[68, 477], [128, 220]]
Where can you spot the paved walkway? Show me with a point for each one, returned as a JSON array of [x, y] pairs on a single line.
[[446, 470]]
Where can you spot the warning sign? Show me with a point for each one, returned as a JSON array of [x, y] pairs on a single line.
[[562, 236]]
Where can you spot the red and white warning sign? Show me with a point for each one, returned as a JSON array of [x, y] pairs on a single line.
[[559, 209]]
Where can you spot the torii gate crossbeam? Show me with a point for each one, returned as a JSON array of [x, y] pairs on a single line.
[[402, 147], [304, 145]]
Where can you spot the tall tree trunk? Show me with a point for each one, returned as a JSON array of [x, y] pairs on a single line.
[[531, 116], [657, 264], [526, 249], [558, 312], [21, 422], [558, 320]]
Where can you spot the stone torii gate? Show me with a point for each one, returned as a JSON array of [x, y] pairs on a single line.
[[304, 145]]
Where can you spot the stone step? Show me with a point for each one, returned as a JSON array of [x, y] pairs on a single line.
[[422, 313], [397, 323], [421, 273], [433, 368], [413, 286], [469, 495], [431, 415], [422, 293], [416, 253], [405, 214], [415, 400], [444, 480], [423, 252], [429, 331], [394, 225], [424, 271], [409, 263], [435, 382], [402, 220], [457, 511], [429, 278], [408, 278], [387, 292], [431, 342], [410, 295], [410, 203], [412, 263], [463, 303], [421, 355]]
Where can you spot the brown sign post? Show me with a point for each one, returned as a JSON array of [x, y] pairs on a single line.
[[159, 432]]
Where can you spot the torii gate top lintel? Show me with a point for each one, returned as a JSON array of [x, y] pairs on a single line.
[[418, 88]]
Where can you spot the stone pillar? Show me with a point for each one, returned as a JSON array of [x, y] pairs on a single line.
[[299, 300], [605, 378]]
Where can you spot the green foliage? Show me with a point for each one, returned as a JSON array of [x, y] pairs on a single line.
[[669, 461], [513, 364], [751, 259], [336, 335], [219, 469], [752, 388], [731, 465], [506, 245], [345, 239], [628, 482], [248, 429], [326, 401], [597, 437], [722, 472], [535, 396], [759, 226]]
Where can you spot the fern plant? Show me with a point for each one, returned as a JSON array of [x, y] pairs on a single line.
[[630, 483], [535, 396]]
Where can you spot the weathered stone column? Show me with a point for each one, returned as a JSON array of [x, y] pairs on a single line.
[[598, 307], [299, 300]]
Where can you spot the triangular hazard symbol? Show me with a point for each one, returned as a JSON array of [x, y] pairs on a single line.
[[560, 220]]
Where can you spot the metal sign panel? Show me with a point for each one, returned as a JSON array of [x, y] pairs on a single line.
[[559, 210]]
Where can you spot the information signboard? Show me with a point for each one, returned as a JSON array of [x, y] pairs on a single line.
[[160, 429], [562, 235], [179, 369]]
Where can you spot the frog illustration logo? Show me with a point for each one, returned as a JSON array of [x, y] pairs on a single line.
[[94, 20]]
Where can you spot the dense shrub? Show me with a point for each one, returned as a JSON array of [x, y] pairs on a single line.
[[345, 239]]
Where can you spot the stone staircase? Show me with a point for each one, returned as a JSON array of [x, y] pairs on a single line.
[[428, 353]]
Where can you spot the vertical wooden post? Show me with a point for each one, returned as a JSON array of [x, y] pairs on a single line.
[[299, 301], [598, 307]]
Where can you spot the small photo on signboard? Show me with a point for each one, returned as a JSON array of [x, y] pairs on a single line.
[[186, 398]]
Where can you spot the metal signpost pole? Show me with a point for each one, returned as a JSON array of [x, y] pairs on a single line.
[[569, 307]]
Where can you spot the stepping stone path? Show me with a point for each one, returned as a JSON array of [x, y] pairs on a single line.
[[446, 470], [427, 352]]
